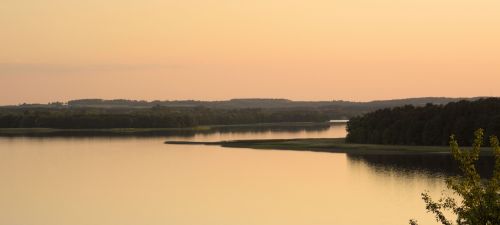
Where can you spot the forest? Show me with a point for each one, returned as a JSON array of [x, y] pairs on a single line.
[[155, 117], [426, 125], [123, 113]]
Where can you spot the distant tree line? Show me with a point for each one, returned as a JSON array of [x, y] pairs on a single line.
[[182, 113], [155, 117], [427, 125], [353, 108], [262, 103]]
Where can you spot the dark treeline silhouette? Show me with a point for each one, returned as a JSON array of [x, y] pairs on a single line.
[[347, 106], [117, 113], [259, 103], [156, 117], [427, 125]]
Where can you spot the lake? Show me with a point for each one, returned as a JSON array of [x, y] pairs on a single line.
[[132, 181]]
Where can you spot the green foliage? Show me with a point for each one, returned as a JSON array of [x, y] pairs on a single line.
[[155, 117], [427, 125], [479, 199]]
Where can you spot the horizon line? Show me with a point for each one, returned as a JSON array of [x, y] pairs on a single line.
[[258, 98]]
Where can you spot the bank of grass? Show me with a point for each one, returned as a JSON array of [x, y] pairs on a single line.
[[334, 145]]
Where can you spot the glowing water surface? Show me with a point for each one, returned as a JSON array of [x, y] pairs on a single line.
[[141, 181]]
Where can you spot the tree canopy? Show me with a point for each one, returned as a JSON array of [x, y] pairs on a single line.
[[155, 117], [427, 125]]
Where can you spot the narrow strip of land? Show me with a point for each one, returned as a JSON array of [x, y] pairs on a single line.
[[334, 145]]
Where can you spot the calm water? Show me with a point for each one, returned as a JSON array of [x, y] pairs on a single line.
[[141, 181]]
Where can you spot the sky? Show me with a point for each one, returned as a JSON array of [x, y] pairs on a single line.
[[358, 50]]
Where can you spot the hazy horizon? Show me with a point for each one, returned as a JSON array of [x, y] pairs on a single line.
[[253, 98], [316, 50]]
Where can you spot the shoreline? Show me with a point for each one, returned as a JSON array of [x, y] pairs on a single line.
[[331, 145], [55, 132]]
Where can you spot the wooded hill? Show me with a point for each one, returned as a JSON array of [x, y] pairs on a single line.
[[98, 113], [426, 125]]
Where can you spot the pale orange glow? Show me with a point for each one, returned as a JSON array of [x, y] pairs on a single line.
[[308, 50], [130, 181]]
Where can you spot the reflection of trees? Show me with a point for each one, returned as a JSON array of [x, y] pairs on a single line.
[[432, 163], [185, 133], [271, 128]]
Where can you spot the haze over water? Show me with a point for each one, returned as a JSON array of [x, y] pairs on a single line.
[[129, 181]]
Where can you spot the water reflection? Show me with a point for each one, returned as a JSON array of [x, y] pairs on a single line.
[[137, 180], [132, 181], [436, 164], [292, 128]]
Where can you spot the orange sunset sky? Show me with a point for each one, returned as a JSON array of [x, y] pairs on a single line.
[[57, 50]]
